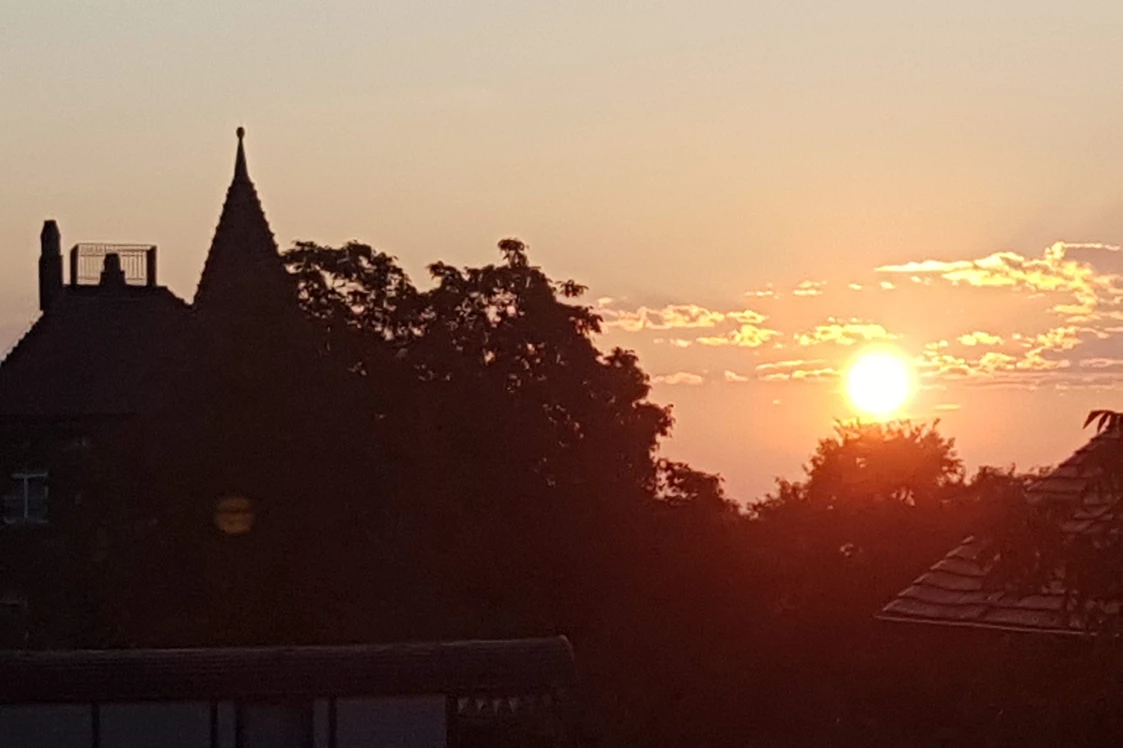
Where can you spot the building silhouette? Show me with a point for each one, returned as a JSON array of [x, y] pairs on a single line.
[[152, 445]]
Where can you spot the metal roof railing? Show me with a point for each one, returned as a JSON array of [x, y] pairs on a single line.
[[138, 261]]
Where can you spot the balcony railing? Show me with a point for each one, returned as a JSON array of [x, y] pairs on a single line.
[[138, 261]]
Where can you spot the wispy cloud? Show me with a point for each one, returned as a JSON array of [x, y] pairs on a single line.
[[1053, 272], [823, 374], [843, 333], [978, 338], [809, 288], [679, 377], [814, 370], [1000, 320], [746, 336], [672, 316]]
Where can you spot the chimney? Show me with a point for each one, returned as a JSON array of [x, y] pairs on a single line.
[[112, 274], [50, 265]]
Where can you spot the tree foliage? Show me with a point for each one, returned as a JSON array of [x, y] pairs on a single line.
[[533, 499], [501, 476]]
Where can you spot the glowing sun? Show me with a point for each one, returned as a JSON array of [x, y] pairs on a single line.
[[879, 382]]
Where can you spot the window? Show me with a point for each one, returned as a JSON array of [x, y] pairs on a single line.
[[276, 725], [25, 501]]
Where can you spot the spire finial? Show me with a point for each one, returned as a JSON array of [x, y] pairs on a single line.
[[240, 172]]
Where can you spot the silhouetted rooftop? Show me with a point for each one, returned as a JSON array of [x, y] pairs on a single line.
[[499, 668], [956, 590], [243, 272], [99, 351], [96, 352]]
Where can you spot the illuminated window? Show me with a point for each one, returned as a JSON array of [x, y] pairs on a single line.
[[25, 501]]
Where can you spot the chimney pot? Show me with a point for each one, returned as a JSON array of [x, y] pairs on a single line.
[[50, 264]]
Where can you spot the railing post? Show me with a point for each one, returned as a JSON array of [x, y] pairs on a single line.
[[150, 266]]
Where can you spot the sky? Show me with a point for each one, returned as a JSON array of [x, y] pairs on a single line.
[[753, 191]]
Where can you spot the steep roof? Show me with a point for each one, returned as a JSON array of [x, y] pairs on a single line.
[[957, 591], [96, 352], [101, 351], [243, 273]]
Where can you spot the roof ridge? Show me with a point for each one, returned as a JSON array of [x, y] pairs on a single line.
[[11, 351]]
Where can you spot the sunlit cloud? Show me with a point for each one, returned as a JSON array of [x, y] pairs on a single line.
[[679, 377], [788, 365], [746, 336], [1001, 320], [978, 338], [747, 317], [824, 374], [809, 288], [813, 370], [843, 333], [1101, 363], [1053, 272], [672, 316]]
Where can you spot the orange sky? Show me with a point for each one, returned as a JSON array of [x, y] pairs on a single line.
[[752, 190]]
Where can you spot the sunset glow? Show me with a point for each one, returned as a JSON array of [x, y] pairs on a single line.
[[878, 383]]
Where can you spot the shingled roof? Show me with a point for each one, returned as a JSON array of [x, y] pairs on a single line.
[[243, 273], [96, 352], [957, 590]]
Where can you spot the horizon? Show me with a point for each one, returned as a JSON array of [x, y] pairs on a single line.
[[752, 195]]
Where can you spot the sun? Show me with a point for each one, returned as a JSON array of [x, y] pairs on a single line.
[[879, 382]]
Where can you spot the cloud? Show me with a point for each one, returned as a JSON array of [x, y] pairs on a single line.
[[679, 377], [1101, 363], [948, 406], [843, 333], [809, 288], [672, 316], [978, 338], [746, 336], [1058, 339], [787, 365], [1049, 320], [747, 317], [824, 374], [1024, 359], [814, 370], [1053, 272]]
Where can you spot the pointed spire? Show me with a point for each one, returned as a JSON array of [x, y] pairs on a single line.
[[241, 173], [243, 273]]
